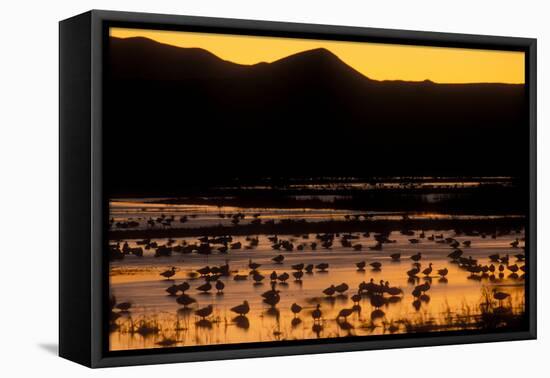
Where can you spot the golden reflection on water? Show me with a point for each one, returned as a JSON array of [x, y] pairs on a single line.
[[207, 215], [451, 303]]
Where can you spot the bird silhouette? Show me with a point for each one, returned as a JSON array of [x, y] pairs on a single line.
[[356, 298], [377, 301], [416, 257], [423, 287], [205, 288], [455, 254], [513, 268], [317, 314], [283, 277], [329, 291], [298, 267], [295, 308], [342, 288], [376, 265], [253, 265], [241, 309], [172, 290], [257, 277], [204, 271], [204, 312], [183, 287], [185, 300], [272, 300], [169, 273], [428, 270], [322, 267], [413, 272], [392, 290], [344, 313]]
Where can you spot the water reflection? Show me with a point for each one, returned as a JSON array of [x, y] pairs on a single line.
[[200, 307]]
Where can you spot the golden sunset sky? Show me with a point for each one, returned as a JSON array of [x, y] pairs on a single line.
[[374, 60]]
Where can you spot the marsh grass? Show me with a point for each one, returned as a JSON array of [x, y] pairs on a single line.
[[487, 315]]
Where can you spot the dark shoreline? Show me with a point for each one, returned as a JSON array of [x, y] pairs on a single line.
[[480, 200], [487, 226]]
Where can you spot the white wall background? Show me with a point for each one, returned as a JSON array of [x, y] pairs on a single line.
[[29, 184]]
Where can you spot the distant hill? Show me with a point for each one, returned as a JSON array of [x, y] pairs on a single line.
[[180, 117]]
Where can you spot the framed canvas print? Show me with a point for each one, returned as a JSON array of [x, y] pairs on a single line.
[[234, 188]]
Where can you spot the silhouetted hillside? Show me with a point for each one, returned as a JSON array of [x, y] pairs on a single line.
[[177, 118]]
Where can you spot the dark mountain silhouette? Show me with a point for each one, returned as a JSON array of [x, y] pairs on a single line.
[[177, 118]]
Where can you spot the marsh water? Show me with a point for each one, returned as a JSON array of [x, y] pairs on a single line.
[[453, 302]]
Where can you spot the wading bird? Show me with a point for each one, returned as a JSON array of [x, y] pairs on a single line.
[[204, 271], [342, 288], [322, 267], [376, 265], [316, 314], [253, 265], [241, 309], [205, 288], [344, 313], [428, 270], [393, 291], [455, 254], [416, 257], [295, 308], [413, 272], [183, 287], [172, 290], [298, 266], [185, 300], [204, 312], [278, 259], [395, 256], [329, 291], [283, 277], [257, 277], [169, 273], [423, 287]]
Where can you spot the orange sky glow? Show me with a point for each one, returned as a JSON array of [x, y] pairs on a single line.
[[375, 60]]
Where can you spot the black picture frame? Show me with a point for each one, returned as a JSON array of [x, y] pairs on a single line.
[[82, 265]]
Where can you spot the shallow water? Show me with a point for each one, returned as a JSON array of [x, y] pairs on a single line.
[[203, 215], [137, 279]]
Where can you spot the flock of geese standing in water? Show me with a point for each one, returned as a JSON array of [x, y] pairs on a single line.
[[379, 294]]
